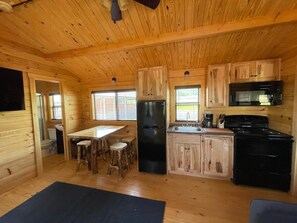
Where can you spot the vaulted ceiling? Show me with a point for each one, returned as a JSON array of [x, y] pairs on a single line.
[[182, 34]]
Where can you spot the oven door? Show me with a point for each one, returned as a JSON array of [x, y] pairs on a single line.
[[262, 161]]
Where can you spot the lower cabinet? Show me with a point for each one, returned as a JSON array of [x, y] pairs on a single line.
[[200, 155], [217, 156], [184, 153]]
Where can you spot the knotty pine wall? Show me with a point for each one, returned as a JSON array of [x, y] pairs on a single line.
[[199, 77], [18, 151], [104, 84], [281, 117], [176, 78]]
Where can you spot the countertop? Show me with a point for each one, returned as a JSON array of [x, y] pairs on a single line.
[[214, 131]]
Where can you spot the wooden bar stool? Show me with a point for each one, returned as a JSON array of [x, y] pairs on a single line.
[[130, 140], [84, 153], [118, 159]]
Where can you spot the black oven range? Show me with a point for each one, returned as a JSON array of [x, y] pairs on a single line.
[[262, 156]]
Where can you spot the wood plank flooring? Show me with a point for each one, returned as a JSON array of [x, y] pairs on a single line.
[[188, 199]]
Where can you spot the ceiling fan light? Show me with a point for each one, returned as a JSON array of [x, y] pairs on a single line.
[[124, 4], [106, 4], [5, 7]]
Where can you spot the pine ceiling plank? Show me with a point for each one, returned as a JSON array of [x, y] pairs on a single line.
[[137, 25], [143, 57], [200, 32]]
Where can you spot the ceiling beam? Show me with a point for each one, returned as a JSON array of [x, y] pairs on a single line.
[[196, 33]]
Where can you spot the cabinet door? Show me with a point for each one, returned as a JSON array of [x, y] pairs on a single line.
[[217, 156], [157, 83], [143, 89], [244, 72], [151, 83], [268, 70], [217, 85], [188, 157], [184, 154]]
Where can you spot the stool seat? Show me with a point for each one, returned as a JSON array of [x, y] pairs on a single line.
[[128, 139], [118, 146], [84, 143]]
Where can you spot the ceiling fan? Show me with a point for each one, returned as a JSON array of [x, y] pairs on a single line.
[[116, 6], [6, 7]]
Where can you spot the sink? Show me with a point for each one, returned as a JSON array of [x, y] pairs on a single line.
[[188, 129]]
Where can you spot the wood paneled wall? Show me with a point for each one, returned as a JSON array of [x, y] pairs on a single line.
[[18, 161], [176, 78], [198, 77], [103, 85], [281, 117]]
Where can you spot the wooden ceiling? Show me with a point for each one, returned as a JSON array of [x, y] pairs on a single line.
[[182, 34]]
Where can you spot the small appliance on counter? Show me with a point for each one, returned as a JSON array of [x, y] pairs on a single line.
[[221, 121], [207, 120]]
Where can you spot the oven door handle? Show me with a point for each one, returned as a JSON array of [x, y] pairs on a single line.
[[265, 155]]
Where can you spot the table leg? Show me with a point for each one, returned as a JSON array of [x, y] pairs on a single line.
[[94, 150]]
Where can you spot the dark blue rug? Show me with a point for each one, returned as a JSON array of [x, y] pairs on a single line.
[[65, 203]]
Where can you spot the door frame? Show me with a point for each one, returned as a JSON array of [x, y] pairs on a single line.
[[32, 83], [294, 133]]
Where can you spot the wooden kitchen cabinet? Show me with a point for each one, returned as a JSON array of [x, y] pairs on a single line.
[[268, 70], [260, 70], [200, 155], [151, 83], [217, 85], [217, 156], [184, 154]]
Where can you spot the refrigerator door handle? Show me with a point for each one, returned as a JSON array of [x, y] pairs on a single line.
[[157, 127]]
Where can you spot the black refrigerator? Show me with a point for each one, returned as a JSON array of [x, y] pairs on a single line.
[[151, 131]]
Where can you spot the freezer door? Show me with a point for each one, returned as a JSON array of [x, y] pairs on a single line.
[[151, 114]]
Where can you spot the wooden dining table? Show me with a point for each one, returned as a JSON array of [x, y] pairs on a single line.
[[96, 135]]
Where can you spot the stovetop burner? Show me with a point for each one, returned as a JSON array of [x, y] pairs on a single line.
[[251, 125], [265, 132]]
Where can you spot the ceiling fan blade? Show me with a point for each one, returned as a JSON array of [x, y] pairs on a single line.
[[5, 7], [149, 3]]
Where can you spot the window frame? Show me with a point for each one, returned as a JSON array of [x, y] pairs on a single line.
[[53, 106], [198, 86], [116, 105]]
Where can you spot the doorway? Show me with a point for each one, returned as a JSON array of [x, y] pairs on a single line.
[[50, 118]]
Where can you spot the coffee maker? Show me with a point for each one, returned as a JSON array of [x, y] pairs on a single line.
[[207, 120]]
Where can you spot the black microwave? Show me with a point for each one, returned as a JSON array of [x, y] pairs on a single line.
[[256, 93]]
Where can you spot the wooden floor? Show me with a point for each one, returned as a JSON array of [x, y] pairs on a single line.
[[187, 199]]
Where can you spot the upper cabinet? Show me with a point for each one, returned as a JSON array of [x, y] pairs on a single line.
[[151, 83], [260, 70], [217, 85]]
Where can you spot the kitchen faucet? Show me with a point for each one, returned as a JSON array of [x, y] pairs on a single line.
[[188, 117]]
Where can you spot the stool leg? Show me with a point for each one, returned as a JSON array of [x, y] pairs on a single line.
[[111, 162], [88, 157], [78, 158], [125, 153], [131, 153], [120, 164]]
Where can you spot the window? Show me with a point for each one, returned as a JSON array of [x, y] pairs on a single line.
[[56, 106], [114, 105], [187, 103]]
